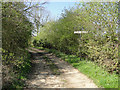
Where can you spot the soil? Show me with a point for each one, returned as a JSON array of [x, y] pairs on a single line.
[[49, 71]]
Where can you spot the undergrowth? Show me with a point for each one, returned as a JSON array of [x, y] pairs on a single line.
[[18, 72]]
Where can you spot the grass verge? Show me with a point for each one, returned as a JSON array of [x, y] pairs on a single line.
[[100, 77]]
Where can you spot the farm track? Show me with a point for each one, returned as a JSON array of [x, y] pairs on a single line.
[[48, 71]]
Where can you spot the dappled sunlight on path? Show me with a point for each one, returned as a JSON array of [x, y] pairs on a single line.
[[48, 71]]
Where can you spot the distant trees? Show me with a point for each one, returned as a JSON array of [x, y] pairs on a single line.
[[99, 45]]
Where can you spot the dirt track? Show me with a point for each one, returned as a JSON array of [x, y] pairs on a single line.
[[48, 71]]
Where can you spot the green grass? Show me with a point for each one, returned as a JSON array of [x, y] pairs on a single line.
[[41, 48], [100, 77]]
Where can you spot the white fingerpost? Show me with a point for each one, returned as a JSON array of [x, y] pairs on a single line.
[[78, 32]]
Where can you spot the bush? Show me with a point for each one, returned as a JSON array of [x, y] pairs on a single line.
[[15, 69]]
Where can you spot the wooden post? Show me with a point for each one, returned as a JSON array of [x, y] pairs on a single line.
[[79, 32]]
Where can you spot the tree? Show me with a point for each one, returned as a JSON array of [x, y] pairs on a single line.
[[99, 45], [16, 27]]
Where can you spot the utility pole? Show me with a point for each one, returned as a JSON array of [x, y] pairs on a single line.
[[80, 32]]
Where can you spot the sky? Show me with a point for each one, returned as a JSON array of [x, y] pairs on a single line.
[[56, 8]]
